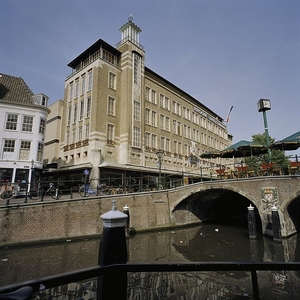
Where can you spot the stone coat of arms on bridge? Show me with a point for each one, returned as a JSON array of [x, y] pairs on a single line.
[[269, 197]]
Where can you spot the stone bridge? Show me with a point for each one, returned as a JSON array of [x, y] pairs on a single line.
[[186, 205], [225, 199]]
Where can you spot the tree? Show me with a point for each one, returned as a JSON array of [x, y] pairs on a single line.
[[278, 157]]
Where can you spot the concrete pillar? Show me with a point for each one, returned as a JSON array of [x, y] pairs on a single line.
[[251, 222], [113, 250]]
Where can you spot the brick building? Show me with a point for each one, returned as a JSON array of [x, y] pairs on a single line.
[[117, 113]]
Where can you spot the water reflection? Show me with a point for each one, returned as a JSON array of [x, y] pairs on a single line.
[[207, 242]]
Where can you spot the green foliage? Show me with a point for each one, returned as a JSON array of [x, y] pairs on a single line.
[[278, 157]]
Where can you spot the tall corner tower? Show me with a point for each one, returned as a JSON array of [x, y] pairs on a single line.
[[131, 82]]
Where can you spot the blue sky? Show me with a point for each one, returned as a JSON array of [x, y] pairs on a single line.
[[222, 52]]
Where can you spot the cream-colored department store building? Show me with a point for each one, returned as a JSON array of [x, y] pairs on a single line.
[[117, 114]]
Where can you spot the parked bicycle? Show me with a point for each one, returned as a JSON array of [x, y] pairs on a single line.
[[86, 190], [39, 192]]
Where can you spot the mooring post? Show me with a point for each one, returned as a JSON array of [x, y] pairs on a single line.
[[276, 225], [113, 250], [251, 222], [126, 212]]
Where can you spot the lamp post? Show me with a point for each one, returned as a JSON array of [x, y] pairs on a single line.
[[160, 154], [31, 171], [263, 105]]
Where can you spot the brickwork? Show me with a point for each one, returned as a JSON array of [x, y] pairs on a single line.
[[67, 219]]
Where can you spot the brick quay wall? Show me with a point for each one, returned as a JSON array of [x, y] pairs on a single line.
[[78, 218]]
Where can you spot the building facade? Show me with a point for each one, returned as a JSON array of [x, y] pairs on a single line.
[[23, 117], [117, 114]]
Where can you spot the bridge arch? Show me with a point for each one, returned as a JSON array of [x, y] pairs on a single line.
[[291, 207], [213, 204]]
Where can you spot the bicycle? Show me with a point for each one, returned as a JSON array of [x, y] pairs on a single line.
[[37, 193], [86, 190]]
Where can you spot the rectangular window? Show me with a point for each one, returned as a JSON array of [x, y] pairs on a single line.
[[161, 100], [40, 152], [167, 145], [178, 110], [27, 123], [42, 126], [75, 113], [81, 110], [167, 124], [179, 148], [90, 80], [8, 149], [153, 118], [110, 133], [154, 141], [108, 57], [71, 91], [153, 96], [24, 150], [136, 137], [76, 88], [80, 133], [176, 127], [111, 106], [83, 84], [162, 143], [73, 135], [175, 147], [88, 107], [69, 114], [112, 81], [147, 93], [167, 103], [11, 122], [87, 131], [137, 111], [147, 116], [147, 140], [162, 122]]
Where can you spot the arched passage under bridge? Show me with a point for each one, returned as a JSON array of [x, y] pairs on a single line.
[[217, 205]]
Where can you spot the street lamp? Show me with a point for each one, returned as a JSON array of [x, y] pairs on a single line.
[[263, 105], [31, 171], [160, 154]]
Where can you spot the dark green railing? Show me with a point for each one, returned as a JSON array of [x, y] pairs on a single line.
[[118, 272]]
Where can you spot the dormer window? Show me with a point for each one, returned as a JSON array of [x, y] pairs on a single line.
[[40, 99]]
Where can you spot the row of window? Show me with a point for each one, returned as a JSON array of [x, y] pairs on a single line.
[[188, 132], [151, 142], [185, 112], [78, 134], [10, 146], [80, 110], [81, 85], [26, 124], [100, 53]]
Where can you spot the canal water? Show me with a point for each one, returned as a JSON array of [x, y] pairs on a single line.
[[206, 242]]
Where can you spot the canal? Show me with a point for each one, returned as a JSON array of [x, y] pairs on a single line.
[[206, 242]]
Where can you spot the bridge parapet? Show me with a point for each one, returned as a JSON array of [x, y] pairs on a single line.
[[190, 204]]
